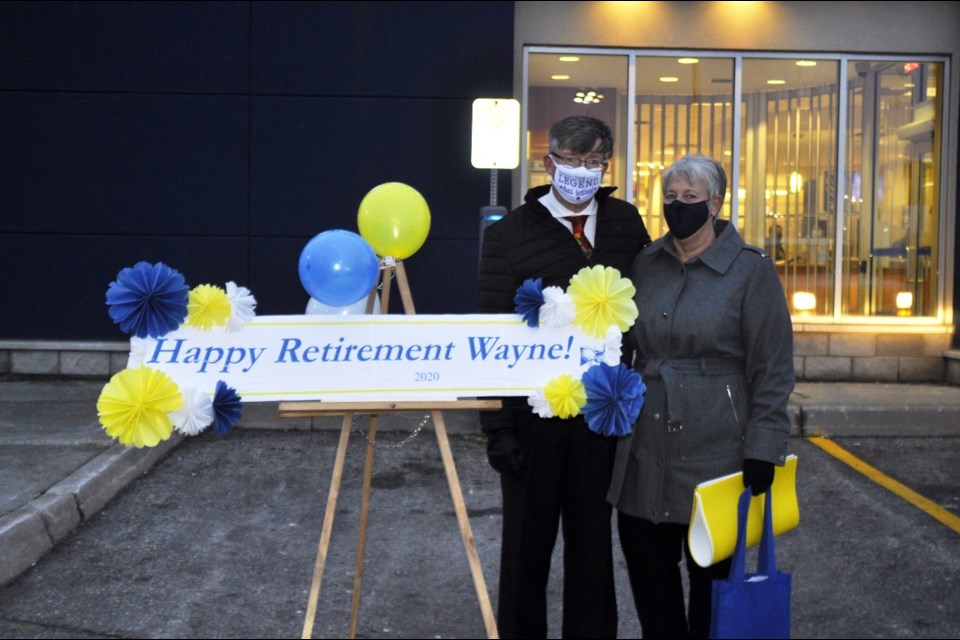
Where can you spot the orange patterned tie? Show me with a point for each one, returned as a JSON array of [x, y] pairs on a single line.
[[578, 222]]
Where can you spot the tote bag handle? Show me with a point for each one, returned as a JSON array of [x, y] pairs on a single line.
[[766, 561]]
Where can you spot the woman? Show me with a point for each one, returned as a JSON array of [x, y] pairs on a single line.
[[715, 348]]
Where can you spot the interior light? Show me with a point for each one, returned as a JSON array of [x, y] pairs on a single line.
[[796, 182], [559, 77], [688, 60], [904, 303], [569, 58], [806, 63], [669, 79], [776, 82], [587, 97], [804, 301]]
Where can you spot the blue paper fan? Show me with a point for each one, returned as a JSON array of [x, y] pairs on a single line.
[[529, 299], [227, 408], [614, 398], [148, 300]]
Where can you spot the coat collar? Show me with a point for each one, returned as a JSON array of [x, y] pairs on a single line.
[[718, 256]]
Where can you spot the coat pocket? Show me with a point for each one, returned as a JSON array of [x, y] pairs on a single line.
[[714, 414]]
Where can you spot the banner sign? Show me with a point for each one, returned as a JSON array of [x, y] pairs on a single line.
[[374, 357]]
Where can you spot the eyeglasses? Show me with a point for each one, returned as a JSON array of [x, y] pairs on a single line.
[[573, 162]]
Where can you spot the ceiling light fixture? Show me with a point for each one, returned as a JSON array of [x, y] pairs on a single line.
[[669, 79], [688, 60], [569, 58], [587, 97], [559, 76], [806, 63]]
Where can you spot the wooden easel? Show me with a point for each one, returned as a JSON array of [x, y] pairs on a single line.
[[373, 409]]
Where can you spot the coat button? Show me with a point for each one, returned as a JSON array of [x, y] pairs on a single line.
[[664, 314], [656, 416]]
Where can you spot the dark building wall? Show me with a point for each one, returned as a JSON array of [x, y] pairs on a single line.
[[219, 137]]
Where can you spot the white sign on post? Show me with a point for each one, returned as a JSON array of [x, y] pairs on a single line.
[[373, 357], [495, 140]]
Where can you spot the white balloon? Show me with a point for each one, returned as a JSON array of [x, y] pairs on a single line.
[[315, 307]]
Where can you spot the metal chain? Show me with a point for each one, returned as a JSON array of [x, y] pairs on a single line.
[[394, 445]]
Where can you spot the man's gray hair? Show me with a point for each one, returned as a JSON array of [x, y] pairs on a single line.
[[579, 134]]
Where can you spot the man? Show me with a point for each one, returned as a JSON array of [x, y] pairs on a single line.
[[554, 470]]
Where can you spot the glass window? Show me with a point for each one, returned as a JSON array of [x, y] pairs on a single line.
[[564, 85], [683, 105], [838, 164], [787, 175], [891, 205]]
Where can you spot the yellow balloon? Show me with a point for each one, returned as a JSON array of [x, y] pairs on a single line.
[[394, 219]]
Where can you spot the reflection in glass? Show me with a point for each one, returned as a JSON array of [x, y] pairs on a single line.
[[892, 210], [876, 256], [788, 172], [601, 77], [673, 119]]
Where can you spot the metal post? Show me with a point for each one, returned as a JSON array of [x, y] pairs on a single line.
[[492, 212]]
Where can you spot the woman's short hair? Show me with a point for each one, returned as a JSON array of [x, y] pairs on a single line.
[[696, 169]]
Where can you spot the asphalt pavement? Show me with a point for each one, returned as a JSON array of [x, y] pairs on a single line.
[[217, 536]]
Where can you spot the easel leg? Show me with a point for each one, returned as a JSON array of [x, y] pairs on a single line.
[[466, 533], [362, 540], [489, 621], [404, 286], [327, 526]]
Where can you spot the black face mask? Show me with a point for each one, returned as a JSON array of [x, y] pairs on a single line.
[[684, 219]]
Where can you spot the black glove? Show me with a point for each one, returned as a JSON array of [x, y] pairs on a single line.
[[758, 475], [504, 452]]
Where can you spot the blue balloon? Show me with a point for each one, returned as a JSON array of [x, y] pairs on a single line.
[[338, 267]]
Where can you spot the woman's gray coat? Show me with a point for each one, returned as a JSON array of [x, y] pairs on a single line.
[[714, 347]]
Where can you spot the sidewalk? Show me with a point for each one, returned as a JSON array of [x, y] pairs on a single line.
[[58, 468]]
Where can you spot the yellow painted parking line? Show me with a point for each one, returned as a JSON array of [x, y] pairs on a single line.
[[927, 506]]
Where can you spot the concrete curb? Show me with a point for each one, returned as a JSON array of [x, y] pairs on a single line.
[[28, 533], [860, 421]]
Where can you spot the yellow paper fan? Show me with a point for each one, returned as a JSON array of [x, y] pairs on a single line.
[[565, 395], [602, 298], [207, 307], [133, 406]]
